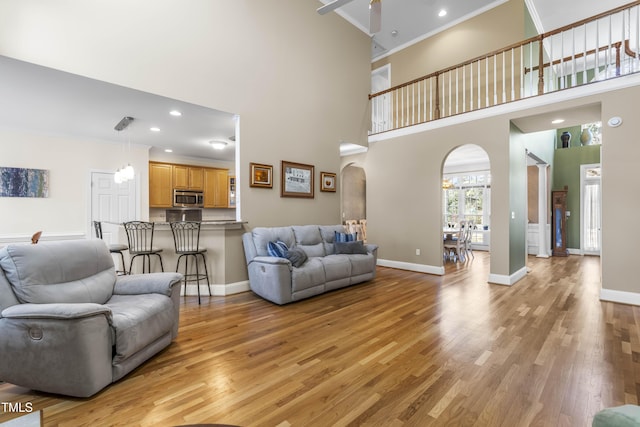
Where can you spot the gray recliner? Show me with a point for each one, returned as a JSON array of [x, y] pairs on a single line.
[[69, 325]]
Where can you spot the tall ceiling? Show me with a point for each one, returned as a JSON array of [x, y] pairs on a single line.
[[55, 102], [406, 21]]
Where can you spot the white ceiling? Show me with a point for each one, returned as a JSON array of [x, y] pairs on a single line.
[[415, 20], [46, 100]]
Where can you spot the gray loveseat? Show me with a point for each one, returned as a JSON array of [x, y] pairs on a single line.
[[278, 280], [69, 325]]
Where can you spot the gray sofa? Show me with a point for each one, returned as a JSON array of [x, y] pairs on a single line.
[[278, 280], [69, 325]]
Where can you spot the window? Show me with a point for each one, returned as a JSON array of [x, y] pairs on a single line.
[[467, 197]]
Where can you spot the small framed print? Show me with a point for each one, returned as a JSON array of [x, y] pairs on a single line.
[[261, 175], [297, 180], [327, 181]]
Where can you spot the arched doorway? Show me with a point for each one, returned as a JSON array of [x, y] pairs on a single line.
[[354, 193], [466, 192]]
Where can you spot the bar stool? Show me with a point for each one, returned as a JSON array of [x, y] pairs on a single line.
[[140, 237], [186, 237], [117, 248]]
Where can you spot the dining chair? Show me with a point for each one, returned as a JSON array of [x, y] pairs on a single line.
[[186, 239], [468, 238], [117, 248], [140, 237], [454, 246]]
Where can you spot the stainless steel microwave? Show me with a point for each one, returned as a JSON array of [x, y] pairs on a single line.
[[188, 199]]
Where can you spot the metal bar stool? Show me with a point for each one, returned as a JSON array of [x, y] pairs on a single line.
[[140, 237], [117, 248], [186, 237]]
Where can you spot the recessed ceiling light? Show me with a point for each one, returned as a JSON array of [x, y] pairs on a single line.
[[218, 144], [557, 121], [168, 150], [175, 113], [442, 13], [154, 129]]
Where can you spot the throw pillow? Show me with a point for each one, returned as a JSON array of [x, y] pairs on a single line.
[[277, 249], [344, 237], [356, 247], [297, 256]]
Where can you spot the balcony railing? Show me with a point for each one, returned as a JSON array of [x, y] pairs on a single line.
[[595, 49]]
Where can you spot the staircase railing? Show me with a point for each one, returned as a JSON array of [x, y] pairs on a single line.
[[599, 48]]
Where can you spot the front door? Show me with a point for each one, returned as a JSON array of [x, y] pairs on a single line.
[[591, 209]]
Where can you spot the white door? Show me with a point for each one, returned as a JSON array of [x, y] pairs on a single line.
[[111, 202], [381, 105], [590, 215]]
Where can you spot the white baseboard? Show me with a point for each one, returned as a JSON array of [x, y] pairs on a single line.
[[420, 268], [216, 289], [501, 279], [621, 297]]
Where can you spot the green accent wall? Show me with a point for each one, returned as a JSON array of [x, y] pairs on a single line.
[[566, 171]]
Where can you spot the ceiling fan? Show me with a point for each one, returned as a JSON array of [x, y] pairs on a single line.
[[375, 12]]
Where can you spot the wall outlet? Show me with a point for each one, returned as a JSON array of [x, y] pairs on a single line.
[[417, 251]]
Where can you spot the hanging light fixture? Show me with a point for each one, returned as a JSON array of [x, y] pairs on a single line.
[[125, 173]]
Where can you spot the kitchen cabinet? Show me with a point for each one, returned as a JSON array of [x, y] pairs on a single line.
[[216, 189], [160, 185], [188, 177]]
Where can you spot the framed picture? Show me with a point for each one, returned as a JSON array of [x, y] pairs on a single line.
[[297, 180], [327, 181], [261, 175]]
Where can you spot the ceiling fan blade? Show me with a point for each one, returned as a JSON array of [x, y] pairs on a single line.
[[375, 16], [332, 6]]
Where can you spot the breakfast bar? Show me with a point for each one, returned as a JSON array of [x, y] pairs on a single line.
[[213, 237]]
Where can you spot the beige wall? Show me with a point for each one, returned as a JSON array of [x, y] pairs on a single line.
[[70, 162], [299, 85], [492, 30], [404, 187]]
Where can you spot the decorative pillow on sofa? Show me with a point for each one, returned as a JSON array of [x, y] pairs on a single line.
[[297, 256], [277, 249], [356, 247], [344, 237]]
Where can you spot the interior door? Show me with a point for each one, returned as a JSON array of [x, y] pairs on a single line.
[[111, 202], [381, 105]]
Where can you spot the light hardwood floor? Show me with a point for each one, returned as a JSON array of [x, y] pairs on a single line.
[[407, 349]]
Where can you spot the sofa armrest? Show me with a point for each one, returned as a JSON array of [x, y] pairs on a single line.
[[61, 311], [271, 260], [151, 283], [371, 248], [270, 277]]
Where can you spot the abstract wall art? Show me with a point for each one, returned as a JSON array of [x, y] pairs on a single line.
[[22, 182]]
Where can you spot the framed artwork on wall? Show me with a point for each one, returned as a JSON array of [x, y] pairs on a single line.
[[261, 175], [23, 182], [328, 181], [297, 180]]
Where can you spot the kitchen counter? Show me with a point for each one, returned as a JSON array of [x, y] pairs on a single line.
[[219, 237]]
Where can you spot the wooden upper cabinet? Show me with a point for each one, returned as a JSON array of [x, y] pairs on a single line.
[[188, 177], [160, 185], [196, 178], [165, 177], [216, 190]]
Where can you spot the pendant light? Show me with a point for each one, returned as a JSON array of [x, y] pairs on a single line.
[[125, 173]]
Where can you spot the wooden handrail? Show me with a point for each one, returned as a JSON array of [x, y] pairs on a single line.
[[538, 38]]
